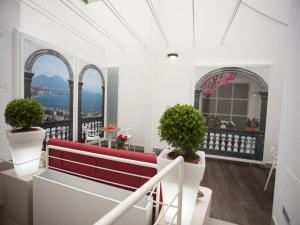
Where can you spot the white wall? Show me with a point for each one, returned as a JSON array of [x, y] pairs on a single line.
[[9, 19], [149, 82], [287, 185]]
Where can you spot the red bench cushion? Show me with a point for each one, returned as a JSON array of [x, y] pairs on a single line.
[[99, 173]]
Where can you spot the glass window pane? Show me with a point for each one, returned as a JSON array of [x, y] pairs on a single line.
[[50, 87], [240, 107], [209, 106], [225, 91], [241, 91], [224, 106], [91, 95]]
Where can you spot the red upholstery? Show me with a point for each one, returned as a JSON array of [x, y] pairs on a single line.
[[100, 173]]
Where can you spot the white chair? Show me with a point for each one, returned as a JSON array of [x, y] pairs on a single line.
[[92, 136], [274, 164], [126, 131]]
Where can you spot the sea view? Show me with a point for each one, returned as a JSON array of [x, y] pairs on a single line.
[[91, 101], [53, 92]]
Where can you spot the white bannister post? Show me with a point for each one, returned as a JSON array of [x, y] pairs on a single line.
[[180, 187], [157, 199]]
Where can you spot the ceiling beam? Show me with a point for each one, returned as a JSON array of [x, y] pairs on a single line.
[[42, 11], [237, 5], [263, 14], [92, 23], [121, 19], [158, 23]]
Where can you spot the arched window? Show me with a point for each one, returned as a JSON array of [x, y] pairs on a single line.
[[234, 102], [49, 80], [90, 99]]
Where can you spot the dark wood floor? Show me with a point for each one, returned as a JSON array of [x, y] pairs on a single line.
[[238, 194]]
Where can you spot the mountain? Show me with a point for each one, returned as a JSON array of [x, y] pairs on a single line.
[[53, 82]]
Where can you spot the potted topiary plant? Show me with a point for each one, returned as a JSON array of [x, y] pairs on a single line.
[[25, 140], [183, 127]]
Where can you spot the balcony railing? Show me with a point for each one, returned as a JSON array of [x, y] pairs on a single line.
[[234, 143], [58, 129], [64, 130], [94, 123]]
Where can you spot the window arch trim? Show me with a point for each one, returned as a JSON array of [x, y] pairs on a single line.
[[42, 52], [260, 81], [91, 66]]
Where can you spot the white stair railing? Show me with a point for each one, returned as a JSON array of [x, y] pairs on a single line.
[[151, 187], [124, 206]]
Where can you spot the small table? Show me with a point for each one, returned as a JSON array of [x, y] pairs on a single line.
[[109, 131]]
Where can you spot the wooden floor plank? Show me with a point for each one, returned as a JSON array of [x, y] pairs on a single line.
[[238, 192]]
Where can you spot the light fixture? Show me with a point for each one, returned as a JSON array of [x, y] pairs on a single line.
[[172, 56]]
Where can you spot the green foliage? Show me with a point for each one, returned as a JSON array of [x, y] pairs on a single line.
[[120, 144], [24, 113], [184, 128]]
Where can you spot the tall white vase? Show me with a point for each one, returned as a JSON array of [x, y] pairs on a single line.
[[193, 174], [25, 148]]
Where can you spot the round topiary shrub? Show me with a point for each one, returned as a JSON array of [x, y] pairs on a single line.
[[24, 113], [183, 127]]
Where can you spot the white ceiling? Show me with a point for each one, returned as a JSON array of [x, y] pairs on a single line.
[[138, 27]]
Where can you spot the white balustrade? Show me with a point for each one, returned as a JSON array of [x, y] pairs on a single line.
[[231, 143], [223, 142], [236, 141], [217, 143], [211, 141]]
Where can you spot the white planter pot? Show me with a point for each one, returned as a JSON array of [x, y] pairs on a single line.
[[193, 174], [25, 148]]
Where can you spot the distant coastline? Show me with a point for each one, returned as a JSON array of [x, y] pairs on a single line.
[[53, 92], [91, 102]]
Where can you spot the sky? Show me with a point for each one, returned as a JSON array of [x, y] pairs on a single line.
[[50, 65], [92, 80]]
